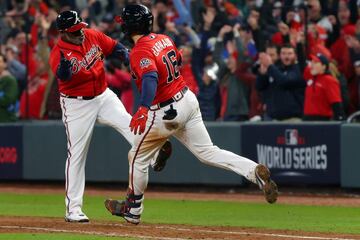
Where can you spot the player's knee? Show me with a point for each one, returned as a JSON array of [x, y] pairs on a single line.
[[141, 166], [139, 160]]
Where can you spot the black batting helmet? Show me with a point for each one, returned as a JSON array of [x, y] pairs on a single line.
[[137, 19], [69, 21]]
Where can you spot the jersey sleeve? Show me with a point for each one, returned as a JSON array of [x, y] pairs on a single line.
[[106, 43], [54, 59], [142, 62], [333, 91]]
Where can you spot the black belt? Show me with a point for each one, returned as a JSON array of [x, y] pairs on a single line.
[[78, 97], [179, 95]]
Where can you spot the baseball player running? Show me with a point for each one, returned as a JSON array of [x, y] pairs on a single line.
[[168, 108], [78, 62]]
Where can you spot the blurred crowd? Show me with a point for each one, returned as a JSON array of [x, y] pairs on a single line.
[[288, 60]]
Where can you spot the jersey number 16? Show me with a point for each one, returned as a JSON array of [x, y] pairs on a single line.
[[172, 67]]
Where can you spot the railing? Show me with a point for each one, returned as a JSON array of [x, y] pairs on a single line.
[[354, 118]]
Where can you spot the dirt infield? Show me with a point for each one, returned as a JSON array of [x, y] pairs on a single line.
[[151, 231], [170, 232]]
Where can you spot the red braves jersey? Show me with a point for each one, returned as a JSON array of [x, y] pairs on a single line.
[[87, 59], [157, 53], [321, 92]]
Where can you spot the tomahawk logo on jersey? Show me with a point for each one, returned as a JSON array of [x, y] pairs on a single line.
[[157, 53]]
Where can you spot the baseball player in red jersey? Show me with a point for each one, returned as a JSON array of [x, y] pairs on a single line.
[[168, 108], [78, 62]]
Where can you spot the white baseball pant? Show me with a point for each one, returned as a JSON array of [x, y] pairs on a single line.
[[79, 117], [188, 127]]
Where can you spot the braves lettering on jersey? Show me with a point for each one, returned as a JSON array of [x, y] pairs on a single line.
[[157, 53], [88, 73]]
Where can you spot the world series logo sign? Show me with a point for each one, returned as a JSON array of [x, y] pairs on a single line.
[[299, 153], [292, 137], [291, 153]]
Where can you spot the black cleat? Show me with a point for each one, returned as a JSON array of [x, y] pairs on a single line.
[[120, 208]]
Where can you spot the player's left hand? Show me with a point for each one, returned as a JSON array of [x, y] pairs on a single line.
[[138, 121], [124, 56]]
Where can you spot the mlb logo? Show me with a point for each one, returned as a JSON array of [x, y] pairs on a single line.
[[144, 63], [291, 137]]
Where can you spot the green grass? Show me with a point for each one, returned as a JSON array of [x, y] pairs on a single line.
[[36, 236], [209, 213]]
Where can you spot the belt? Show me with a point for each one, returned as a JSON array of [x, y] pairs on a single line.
[[177, 97], [78, 97]]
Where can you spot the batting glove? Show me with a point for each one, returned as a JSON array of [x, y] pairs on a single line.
[[64, 69], [138, 121], [64, 63]]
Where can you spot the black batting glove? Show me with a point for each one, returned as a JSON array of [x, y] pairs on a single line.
[[64, 69], [124, 56], [64, 63]]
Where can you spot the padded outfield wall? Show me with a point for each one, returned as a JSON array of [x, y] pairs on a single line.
[[302, 153]]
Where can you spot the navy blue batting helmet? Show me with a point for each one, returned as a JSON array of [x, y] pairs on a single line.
[[69, 21], [137, 19]]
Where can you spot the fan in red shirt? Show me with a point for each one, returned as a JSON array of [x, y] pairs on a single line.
[[322, 94]]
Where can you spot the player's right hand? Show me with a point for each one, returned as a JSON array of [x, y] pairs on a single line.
[[63, 61], [138, 121], [63, 71]]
